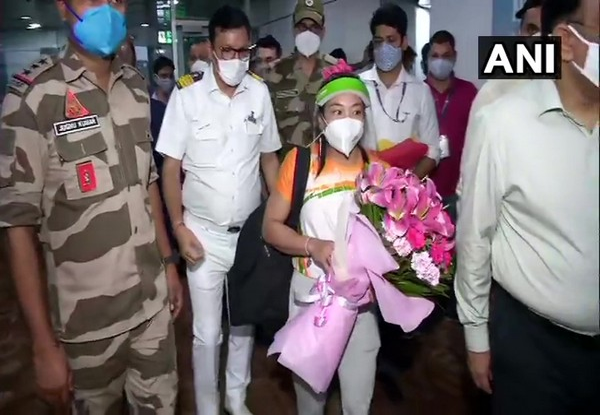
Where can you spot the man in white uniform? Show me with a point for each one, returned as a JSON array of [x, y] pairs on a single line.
[[402, 106], [220, 127]]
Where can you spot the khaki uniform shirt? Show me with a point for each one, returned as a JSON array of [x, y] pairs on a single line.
[[77, 162], [293, 94]]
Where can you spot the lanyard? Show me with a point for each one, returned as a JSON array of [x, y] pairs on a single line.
[[396, 119], [446, 103]]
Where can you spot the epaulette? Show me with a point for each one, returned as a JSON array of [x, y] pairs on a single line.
[[330, 59], [20, 82], [256, 76], [189, 79], [135, 69]]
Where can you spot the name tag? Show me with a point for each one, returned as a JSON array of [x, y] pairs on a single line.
[[72, 126]]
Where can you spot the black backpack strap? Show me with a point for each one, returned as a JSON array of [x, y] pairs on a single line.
[[301, 170]]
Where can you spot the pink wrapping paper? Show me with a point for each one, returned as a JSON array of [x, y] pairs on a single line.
[[312, 343]]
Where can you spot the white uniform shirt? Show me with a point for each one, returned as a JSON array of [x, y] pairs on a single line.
[[529, 213], [409, 101], [220, 140]]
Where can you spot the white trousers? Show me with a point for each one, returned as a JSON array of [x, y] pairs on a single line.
[[207, 281], [357, 368]]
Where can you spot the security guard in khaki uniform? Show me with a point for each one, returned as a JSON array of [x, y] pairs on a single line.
[[77, 175], [296, 79]]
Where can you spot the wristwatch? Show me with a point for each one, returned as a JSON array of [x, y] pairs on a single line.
[[172, 259]]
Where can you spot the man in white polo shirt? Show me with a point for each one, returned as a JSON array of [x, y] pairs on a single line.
[[530, 212], [402, 106], [220, 127]]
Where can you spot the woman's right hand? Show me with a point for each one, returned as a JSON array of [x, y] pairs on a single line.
[[321, 252]]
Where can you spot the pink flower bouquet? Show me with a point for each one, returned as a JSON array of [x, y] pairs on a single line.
[[409, 215], [312, 343]]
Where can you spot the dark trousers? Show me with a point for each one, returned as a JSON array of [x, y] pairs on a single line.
[[539, 368]]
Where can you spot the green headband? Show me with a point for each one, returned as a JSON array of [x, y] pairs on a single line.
[[340, 86]]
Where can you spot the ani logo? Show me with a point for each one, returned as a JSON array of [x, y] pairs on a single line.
[[519, 57]]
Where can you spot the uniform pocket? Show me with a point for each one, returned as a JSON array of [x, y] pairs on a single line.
[[205, 146], [85, 171]]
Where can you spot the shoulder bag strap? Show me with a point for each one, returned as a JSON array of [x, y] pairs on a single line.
[[301, 170]]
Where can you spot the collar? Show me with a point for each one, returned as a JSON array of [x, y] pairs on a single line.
[[73, 67], [404, 77], [546, 96], [451, 86], [321, 64]]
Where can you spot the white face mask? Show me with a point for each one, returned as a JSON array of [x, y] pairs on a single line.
[[165, 84], [233, 71], [344, 134], [591, 66], [199, 66], [308, 43]]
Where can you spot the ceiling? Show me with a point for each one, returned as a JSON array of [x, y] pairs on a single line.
[[139, 11]]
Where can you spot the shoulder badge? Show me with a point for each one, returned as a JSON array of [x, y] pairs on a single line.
[[22, 81], [134, 69], [189, 79], [330, 59], [256, 76]]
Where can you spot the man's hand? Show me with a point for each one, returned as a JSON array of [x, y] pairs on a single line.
[[175, 290], [190, 247], [53, 375], [481, 370]]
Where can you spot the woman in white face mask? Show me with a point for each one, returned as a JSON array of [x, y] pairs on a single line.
[[336, 160]]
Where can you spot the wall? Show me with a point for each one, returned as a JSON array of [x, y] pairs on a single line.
[[504, 22], [346, 22], [466, 20]]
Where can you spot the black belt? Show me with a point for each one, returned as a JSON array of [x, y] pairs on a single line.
[[234, 229]]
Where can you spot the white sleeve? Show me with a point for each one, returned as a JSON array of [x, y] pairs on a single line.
[[270, 140], [174, 132], [481, 197], [429, 131]]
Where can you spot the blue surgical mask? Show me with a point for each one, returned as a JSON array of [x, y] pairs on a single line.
[[440, 68], [100, 30], [387, 57]]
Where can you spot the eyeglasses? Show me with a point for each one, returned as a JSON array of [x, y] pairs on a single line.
[[303, 27], [228, 53]]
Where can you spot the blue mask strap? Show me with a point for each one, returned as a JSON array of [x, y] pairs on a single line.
[[70, 9]]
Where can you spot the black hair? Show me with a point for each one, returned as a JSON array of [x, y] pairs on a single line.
[[557, 11], [226, 18], [390, 15], [339, 53], [408, 58], [322, 142], [162, 62], [424, 55], [269, 42], [443, 36]]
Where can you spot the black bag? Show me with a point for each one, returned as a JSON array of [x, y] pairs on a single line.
[[258, 283]]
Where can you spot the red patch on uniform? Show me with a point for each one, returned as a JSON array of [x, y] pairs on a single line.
[[86, 176], [73, 108], [23, 78]]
